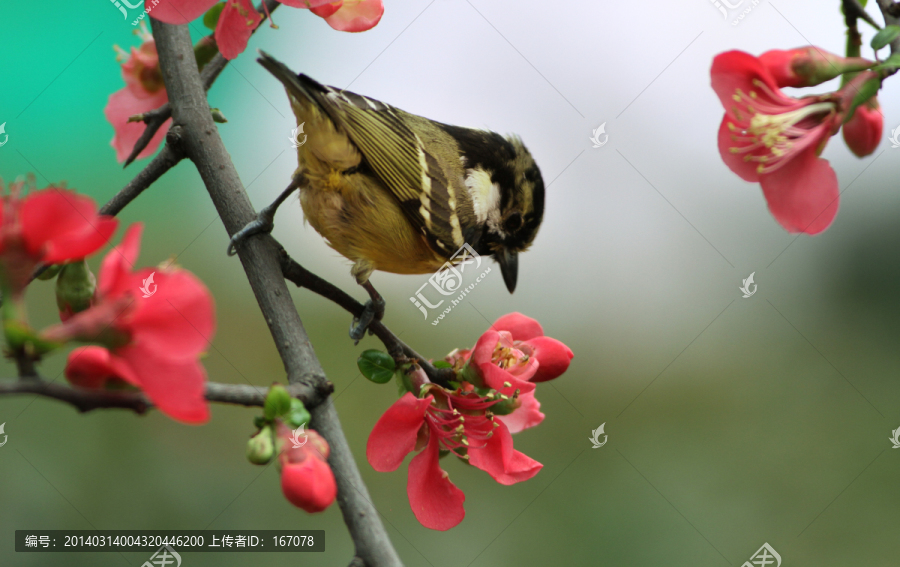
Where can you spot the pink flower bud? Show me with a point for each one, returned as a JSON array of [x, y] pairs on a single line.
[[862, 132]]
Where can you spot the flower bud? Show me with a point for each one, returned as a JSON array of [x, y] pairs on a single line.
[[75, 288], [809, 66], [278, 402], [862, 132], [261, 447], [306, 479]]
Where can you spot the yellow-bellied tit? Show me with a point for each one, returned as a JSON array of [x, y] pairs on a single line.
[[400, 193]]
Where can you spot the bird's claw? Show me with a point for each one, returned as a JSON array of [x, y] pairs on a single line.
[[373, 311], [264, 223]]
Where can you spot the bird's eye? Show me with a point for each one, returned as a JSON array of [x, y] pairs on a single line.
[[513, 222]]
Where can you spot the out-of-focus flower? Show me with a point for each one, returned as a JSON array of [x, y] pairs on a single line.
[[48, 226], [351, 15], [144, 91], [862, 133], [236, 24], [153, 343], [306, 479]]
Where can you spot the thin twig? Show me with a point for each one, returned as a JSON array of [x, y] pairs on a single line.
[[203, 145], [154, 119], [853, 9], [86, 400]]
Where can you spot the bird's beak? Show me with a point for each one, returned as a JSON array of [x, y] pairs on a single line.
[[509, 267]]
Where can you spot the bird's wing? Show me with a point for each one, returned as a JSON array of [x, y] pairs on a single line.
[[393, 151]]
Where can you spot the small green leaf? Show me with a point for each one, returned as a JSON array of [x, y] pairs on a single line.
[[211, 17], [885, 36], [892, 62], [298, 415], [442, 364], [278, 402], [866, 91], [376, 365], [50, 272]]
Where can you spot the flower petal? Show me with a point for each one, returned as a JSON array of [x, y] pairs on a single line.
[[483, 351], [525, 416], [501, 461], [436, 502], [745, 169], [92, 366], [803, 194], [353, 15], [553, 358], [115, 271], [307, 3], [394, 435], [62, 225], [236, 23], [735, 70], [521, 327], [176, 387], [495, 377], [123, 104], [178, 11]]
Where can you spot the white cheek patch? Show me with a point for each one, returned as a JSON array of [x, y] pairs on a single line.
[[484, 194]]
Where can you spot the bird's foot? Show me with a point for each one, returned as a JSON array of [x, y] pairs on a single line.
[[264, 223], [373, 311]]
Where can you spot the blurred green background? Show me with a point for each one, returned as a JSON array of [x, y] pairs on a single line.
[[732, 422]]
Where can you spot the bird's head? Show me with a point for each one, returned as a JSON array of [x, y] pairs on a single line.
[[513, 218]]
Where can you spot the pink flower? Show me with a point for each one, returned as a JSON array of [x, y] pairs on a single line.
[[48, 226], [351, 15], [306, 479], [239, 18], [152, 342], [769, 137], [862, 133], [144, 91], [458, 421]]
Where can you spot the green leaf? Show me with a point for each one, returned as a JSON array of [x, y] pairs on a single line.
[[885, 36], [442, 364], [278, 402], [376, 365], [211, 17], [298, 415], [892, 62]]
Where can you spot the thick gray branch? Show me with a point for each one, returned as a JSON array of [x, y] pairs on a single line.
[[259, 256]]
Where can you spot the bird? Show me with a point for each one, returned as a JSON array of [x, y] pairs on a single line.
[[397, 192]]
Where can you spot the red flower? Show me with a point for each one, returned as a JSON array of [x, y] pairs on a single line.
[[306, 479], [351, 15], [239, 18], [862, 133], [774, 139], [152, 342], [48, 226], [459, 421], [144, 91]]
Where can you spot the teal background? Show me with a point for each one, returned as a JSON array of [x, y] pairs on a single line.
[[732, 422]]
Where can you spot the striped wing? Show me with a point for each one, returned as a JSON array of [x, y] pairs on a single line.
[[395, 153]]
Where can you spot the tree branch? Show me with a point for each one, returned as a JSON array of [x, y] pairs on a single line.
[[399, 350], [86, 400], [891, 14], [154, 119], [260, 258]]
